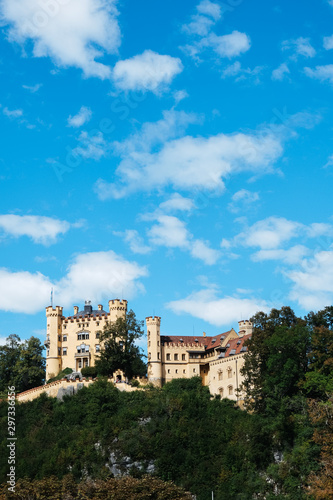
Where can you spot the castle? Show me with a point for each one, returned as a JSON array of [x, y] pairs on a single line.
[[73, 342], [217, 360]]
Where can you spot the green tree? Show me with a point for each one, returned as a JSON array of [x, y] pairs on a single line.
[[319, 379], [21, 364], [119, 351], [9, 356], [274, 368], [30, 366]]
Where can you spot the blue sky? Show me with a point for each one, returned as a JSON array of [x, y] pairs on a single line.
[[175, 154]]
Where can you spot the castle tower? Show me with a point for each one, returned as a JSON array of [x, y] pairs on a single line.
[[53, 341], [117, 309], [154, 350], [245, 327]]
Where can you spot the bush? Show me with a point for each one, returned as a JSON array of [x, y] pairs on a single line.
[[135, 383], [60, 375], [89, 371]]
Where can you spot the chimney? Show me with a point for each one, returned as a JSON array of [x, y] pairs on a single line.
[[100, 307], [76, 309], [87, 307], [204, 334]]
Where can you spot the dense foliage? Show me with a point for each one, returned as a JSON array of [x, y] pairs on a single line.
[[21, 364], [119, 351], [111, 489], [280, 448]]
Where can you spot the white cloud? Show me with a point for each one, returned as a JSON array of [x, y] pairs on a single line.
[[82, 117], [209, 9], [280, 72], [33, 88], [179, 95], [206, 305], [14, 113], [301, 47], [153, 159], [147, 72], [328, 42], [44, 230], [169, 232], [293, 255], [72, 33], [313, 283], [97, 276], [3, 341], [236, 70], [203, 38], [177, 203], [23, 292], [91, 146], [201, 250], [269, 233], [132, 237], [321, 73], [242, 200], [231, 45], [199, 25]]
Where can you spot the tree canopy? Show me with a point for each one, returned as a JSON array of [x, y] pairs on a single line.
[[21, 364], [118, 349]]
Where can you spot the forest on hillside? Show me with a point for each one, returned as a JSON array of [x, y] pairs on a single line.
[[280, 446]]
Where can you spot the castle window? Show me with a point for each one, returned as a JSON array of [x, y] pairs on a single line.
[[175, 357], [184, 371], [168, 371], [176, 371], [158, 343], [158, 355], [183, 357], [98, 348], [168, 357], [97, 335], [97, 323], [220, 375], [80, 363], [221, 390], [59, 338], [230, 390], [83, 336], [85, 362], [59, 351], [149, 355], [64, 339], [48, 352], [229, 372], [65, 326], [149, 343], [64, 351], [148, 334], [193, 370]]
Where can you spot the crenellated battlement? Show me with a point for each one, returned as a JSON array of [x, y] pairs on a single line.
[[245, 327], [54, 312], [153, 320]]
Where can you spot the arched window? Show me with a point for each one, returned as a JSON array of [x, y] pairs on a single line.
[[220, 375], [230, 390], [229, 372], [221, 391]]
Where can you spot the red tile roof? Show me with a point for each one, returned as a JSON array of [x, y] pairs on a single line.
[[207, 342]]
